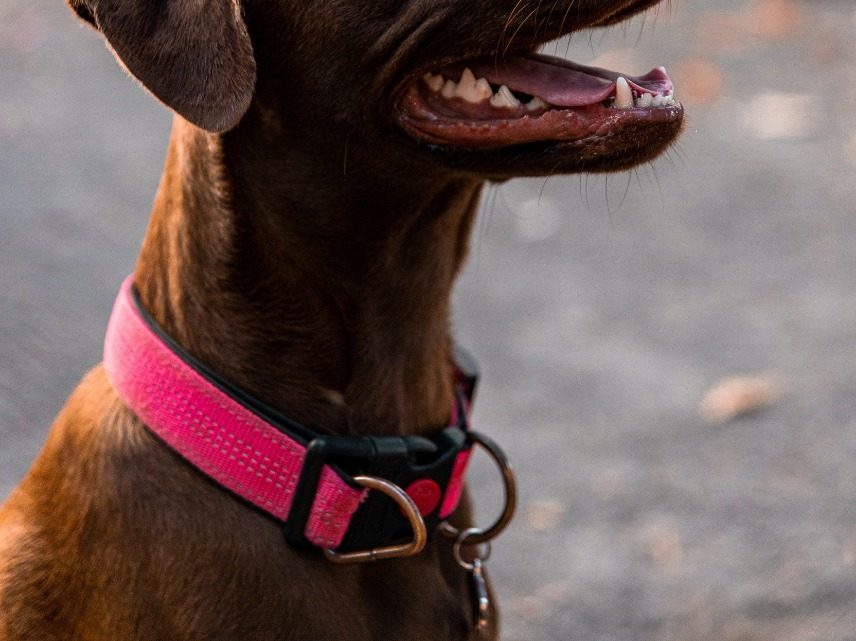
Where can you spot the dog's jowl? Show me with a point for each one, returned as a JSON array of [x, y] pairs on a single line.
[[276, 443]]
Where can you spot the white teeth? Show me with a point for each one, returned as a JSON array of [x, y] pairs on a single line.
[[647, 100], [623, 94], [537, 103], [435, 83], [449, 89], [504, 98], [468, 78], [467, 87], [483, 90], [475, 90], [624, 98]]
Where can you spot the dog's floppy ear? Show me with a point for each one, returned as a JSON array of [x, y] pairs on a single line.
[[194, 55]]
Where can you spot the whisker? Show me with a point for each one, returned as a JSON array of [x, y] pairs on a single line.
[[626, 190], [521, 5], [564, 19], [516, 31], [541, 192]]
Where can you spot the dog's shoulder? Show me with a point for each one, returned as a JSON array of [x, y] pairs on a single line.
[[109, 529], [54, 515]]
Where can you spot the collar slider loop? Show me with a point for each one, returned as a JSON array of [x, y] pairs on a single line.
[[410, 510]]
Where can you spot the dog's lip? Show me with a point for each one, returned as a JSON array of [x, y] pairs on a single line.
[[574, 124], [577, 105]]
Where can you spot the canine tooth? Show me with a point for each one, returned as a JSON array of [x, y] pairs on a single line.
[[435, 83], [623, 94], [658, 101], [537, 103], [504, 98], [645, 100], [449, 89]]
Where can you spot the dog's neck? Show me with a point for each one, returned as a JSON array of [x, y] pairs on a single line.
[[321, 289]]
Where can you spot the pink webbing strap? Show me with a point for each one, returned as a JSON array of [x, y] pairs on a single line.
[[214, 432], [456, 484]]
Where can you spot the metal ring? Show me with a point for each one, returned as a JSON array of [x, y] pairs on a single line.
[[459, 543], [476, 535], [420, 533]]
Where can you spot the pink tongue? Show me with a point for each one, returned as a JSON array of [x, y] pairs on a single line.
[[564, 83]]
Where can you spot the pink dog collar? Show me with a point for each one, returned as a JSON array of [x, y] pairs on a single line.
[[261, 456]]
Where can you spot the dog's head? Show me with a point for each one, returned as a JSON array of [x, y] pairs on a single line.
[[458, 80]]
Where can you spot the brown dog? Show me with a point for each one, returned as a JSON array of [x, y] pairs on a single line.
[[315, 207]]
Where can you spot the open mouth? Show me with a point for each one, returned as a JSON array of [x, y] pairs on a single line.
[[487, 104]]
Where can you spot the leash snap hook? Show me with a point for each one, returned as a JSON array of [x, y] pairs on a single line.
[[410, 510], [473, 536], [479, 593]]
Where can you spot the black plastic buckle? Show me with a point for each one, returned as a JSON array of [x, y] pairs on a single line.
[[401, 460], [375, 455]]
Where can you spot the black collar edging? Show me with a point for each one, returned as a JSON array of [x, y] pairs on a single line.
[[406, 461]]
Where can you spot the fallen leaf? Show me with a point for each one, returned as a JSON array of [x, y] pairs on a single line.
[[737, 396]]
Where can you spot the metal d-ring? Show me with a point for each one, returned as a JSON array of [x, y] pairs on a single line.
[[473, 536], [420, 533]]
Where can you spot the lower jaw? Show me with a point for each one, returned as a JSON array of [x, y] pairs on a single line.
[[619, 150], [600, 125]]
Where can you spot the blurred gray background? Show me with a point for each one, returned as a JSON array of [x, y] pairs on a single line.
[[601, 310]]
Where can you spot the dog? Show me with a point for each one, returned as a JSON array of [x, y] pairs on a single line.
[[321, 181]]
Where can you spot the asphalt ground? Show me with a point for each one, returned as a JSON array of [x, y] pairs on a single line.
[[602, 310]]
